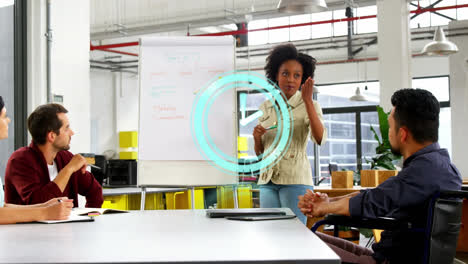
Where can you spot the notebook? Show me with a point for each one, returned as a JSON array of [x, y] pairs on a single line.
[[260, 217], [96, 211], [71, 218], [218, 213]]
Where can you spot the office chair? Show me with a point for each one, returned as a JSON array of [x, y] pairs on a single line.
[[441, 231]]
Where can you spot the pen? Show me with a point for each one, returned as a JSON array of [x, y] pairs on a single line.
[[272, 127], [94, 166]]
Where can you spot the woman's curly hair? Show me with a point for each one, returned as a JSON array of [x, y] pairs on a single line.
[[283, 53]]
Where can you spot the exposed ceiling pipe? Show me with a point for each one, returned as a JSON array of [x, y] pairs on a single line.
[[417, 11], [246, 31], [118, 45], [344, 61], [111, 70], [113, 62], [264, 52], [120, 52], [339, 39], [238, 32]]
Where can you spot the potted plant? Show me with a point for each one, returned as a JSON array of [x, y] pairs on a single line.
[[383, 163], [384, 157]]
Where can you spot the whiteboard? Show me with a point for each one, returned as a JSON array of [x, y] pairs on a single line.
[[172, 71]]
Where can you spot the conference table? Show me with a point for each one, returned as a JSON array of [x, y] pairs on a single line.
[[163, 236]]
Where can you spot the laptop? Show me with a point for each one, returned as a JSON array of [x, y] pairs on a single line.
[[218, 213], [260, 217]]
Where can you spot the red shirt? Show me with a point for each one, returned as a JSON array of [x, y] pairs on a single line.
[[27, 180]]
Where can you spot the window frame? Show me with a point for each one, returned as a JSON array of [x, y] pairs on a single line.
[[20, 73]]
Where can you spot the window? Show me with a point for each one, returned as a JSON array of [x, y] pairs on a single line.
[[278, 35], [13, 75], [360, 116], [340, 28], [420, 20], [300, 33], [368, 142], [7, 79], [366, 25], [321, 30], [361, 26], [441, 17], [337, 95], [258, 37], [462, 13], [340, 147]]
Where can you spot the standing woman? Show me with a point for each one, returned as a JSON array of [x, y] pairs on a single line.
[[291, 176], [54, 209]]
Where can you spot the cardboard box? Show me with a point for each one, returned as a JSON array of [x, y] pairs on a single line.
[[342, 179], [385, 174], [372, 178], [369, 178]]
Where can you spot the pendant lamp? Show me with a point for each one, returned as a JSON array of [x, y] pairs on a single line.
[[440, 45], [302, 6]]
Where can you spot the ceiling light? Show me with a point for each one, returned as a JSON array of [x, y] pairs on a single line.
[[440, 45], [302, 6], [358, 96]]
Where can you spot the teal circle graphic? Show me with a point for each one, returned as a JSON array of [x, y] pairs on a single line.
[[199, 121]]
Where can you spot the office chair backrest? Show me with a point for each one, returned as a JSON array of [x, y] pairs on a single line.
[[446, 222]]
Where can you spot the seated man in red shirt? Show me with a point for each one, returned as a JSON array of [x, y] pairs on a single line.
[[46, 169]]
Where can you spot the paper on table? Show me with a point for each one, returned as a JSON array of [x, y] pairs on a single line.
[[72, 218], [86, 211]]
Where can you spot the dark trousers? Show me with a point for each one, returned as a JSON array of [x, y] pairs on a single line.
[[348, 251]]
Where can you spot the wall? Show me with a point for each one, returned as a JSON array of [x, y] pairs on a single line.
[[114, 108], [103, 117], [459, 100], [127, 91]]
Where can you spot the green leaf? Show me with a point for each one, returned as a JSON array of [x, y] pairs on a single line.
[[384, 158], [383, 122], [366, 232], [376, 136], [380, 149]]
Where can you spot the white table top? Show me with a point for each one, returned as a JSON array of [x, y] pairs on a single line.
[[137, 190], [163, 236]]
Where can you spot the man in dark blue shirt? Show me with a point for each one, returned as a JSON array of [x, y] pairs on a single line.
[[413, 133]]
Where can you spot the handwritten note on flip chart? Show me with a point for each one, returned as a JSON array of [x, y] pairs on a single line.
[[172, 73]]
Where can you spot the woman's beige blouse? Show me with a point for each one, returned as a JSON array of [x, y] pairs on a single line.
[[294, 167]]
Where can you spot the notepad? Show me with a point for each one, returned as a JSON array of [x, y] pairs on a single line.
[[71, 218], [95, 211], [260, 217], [218, 213]]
